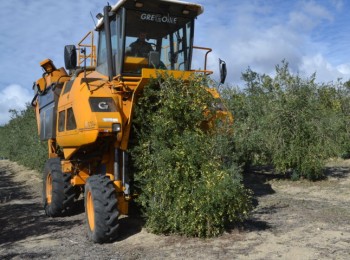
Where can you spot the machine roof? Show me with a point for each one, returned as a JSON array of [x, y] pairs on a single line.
[[198, 9]]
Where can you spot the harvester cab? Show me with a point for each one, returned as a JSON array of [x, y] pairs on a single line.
[[86, 114]]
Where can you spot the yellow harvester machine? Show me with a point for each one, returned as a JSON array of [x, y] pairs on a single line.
[[85, 112]]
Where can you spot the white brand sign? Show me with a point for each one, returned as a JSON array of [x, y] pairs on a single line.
[[158, 18]]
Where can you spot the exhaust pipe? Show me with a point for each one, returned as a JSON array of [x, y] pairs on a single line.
[[106, 10]]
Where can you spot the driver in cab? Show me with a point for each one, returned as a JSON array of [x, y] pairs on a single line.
[[141, 48]]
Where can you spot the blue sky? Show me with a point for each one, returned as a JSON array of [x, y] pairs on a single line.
[[313, 36]]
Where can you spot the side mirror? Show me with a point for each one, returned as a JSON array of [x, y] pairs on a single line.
[[70, 57], [223, 71]]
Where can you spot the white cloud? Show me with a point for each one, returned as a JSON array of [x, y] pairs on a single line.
[[344, 69], [325, 71], [316, 10], [308, 15], [32, 31], [13, 97], [243, 40], [38, 31], [338, 4], [260, 34]]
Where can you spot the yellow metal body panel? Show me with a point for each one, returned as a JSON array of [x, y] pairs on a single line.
[[68, 152], [51, 144], [134, 63], [123, 204], [80, 178], [88, 124], [37, 115], [152, 73], [67, 166]]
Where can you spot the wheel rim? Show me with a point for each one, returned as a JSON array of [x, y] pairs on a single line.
[[49, 188], [90, 211]]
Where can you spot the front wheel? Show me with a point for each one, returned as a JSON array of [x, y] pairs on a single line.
[[58, 193], [101, 209]]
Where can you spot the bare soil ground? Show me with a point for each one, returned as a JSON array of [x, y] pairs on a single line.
[[292, 220]]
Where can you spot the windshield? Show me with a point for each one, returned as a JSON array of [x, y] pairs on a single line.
[[102, 48], [148, 40], [161, 41]]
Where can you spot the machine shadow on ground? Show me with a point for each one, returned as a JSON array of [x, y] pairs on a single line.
[[22, 214]]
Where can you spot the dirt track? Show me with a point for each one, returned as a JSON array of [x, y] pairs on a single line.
[[293, 220]]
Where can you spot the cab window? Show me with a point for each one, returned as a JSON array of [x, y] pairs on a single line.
[[157, 40]]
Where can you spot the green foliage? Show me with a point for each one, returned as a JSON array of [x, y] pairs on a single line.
[[251, 120], [189, 183], [19, 140], [291, 123]]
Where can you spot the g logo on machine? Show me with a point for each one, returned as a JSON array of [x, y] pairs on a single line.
[[103, 105]]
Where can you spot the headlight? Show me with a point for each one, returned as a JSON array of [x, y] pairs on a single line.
[[116, 127]]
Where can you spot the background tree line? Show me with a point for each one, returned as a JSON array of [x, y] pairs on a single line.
[[289, 122], [19, 140]]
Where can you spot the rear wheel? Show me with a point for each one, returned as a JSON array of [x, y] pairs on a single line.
[[101, 209], [58, 193]]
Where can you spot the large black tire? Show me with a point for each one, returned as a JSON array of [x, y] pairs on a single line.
[[58, 193], [101, 209]]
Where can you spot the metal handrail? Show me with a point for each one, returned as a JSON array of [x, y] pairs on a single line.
[[206, 54], [84, 43]]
